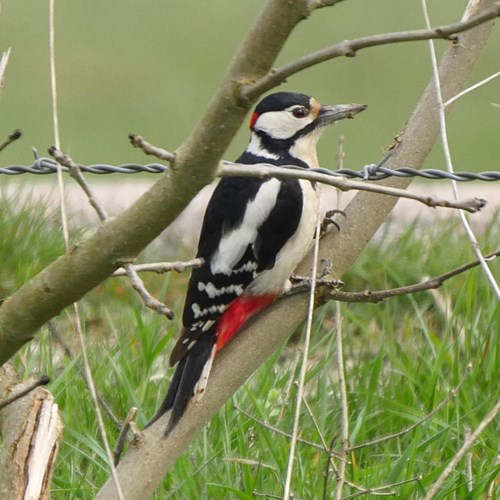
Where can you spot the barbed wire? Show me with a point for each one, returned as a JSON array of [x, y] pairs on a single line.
[[44, 166]]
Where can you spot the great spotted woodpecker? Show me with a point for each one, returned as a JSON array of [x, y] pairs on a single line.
[[254, 234]]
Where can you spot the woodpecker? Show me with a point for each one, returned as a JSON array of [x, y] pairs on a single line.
[[254, 234]]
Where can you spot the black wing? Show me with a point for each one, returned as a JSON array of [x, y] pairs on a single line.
[[225, 275]]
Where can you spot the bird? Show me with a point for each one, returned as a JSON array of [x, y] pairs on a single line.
[[254, 233]]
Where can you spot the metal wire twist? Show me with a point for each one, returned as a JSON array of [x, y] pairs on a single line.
[[43, 166]]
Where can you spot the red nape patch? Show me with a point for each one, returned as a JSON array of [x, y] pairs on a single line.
[[237, 313], [255, 117]]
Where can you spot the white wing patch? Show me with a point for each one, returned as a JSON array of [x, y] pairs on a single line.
[[234, 242]]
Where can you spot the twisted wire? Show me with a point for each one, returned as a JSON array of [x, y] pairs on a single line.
[[44, 166]]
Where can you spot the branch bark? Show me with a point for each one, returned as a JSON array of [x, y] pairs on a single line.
[[252, 346]]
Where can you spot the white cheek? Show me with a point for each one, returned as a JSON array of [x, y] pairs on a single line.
[[281, 124]]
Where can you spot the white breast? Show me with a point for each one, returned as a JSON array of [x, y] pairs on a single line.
[[288, 258]]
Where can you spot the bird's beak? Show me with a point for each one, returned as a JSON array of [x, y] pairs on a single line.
[[331, 114]]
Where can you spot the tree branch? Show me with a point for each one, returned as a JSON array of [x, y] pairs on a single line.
[[349, 48], [162, 267], [330, 291], [471, 205]]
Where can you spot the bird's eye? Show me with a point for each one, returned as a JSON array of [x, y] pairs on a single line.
[[300, 112]]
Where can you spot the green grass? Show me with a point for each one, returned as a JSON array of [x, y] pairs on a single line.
[[403, 357]]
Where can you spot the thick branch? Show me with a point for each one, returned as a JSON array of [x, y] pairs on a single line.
[[252, 346]]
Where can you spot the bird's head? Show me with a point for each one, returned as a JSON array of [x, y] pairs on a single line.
[[288, 124]]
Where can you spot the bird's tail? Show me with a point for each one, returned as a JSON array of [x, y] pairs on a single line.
[[189, 381]]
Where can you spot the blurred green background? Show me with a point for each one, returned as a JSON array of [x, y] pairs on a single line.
[[151, 67]]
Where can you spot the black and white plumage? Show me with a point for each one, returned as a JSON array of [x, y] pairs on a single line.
[[254, 234]]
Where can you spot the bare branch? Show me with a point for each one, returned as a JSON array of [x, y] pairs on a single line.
[[482, 82], [319, 4], [138, 142], [349, 48], [60, 340], [74, 171], [10, 139], [24, 388], [406, 430], [137, 283], [277, 430], [471, 205], [378, 490], [376, 296], [468, 443], [122, 437], [4, 60], [148, 300], [162, 267]]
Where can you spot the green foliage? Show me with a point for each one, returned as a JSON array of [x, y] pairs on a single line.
[[403, 357]]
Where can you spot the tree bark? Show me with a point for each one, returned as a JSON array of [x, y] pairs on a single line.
[[31, 429]]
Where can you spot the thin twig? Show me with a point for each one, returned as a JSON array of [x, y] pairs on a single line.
[[4, 60], [471, 88], [344, 416], [148, 300], [277, 430], [329, 462], [162, 267], [263, 170], [136, 282], [122, 437], [377, 490], [10, 139], [317, 427], [406, 430], [468, 443], [447, 154], [24, 388], [303, 368], [64, 222], [349, 48], [74, 171], [60, 340], [319, 4], [138, 142], [288, 386], [378, 295]]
